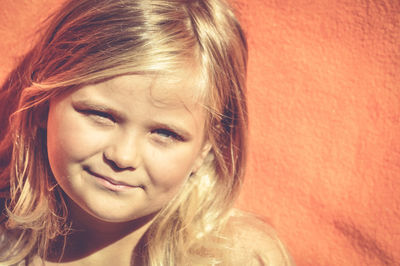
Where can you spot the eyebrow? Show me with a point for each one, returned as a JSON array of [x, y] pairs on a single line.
[[119, 116], [98, 107]]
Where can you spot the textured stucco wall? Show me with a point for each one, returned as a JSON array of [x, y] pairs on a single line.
[[325, 121], [325, 127]]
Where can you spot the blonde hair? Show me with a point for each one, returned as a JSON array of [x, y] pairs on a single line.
[[91, 41]]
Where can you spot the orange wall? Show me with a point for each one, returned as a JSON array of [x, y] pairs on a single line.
[[325, 122], [325, 127]]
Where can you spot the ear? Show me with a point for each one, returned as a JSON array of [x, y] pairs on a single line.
[[202, 155]]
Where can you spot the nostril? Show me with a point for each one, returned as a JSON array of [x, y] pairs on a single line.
[[115, 166]]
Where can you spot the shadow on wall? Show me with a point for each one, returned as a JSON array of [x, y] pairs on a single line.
[[325, 127]]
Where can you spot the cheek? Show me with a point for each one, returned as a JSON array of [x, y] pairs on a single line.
[[168, 169], [69, 140]]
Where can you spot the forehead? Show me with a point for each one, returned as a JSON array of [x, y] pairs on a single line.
[[166, 91], [161, 89]]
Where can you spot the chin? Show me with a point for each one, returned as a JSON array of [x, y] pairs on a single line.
[[117, 218]]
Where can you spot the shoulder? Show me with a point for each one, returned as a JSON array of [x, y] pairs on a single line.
[[4, 235], [255, 242], [7, 238]]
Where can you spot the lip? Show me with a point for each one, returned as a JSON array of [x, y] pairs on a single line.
[[110, 183]]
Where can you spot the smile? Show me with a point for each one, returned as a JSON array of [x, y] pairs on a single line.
[[110, 183]]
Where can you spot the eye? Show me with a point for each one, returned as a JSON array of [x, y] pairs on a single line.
[[98, 116], [167, 134]]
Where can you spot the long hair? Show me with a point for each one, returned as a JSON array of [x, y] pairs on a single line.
[[89, 41]]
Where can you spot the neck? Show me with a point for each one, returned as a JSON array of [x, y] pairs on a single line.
[[94, 240]]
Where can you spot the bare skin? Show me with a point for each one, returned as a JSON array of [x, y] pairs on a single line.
[[120, 150], [115, 245]]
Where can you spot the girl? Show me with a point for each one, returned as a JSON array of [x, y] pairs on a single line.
[[123, 140]]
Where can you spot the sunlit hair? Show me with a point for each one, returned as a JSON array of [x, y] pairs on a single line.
[[91, 41]]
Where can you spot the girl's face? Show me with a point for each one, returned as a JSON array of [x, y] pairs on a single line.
[[121, 149]]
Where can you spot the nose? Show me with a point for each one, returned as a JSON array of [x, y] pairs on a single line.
[[122, 152]]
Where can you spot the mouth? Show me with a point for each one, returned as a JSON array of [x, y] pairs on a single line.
[[109, 183]]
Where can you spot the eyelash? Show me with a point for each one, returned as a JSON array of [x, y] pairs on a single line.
[[168, 134], [164, 132], [98, 114]]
